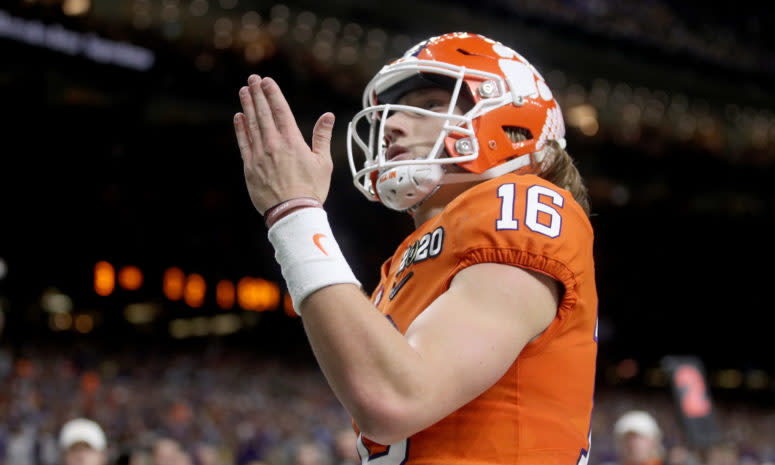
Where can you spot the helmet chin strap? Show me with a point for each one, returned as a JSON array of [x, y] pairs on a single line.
[[414, 207], [399, 184], [495, 171]]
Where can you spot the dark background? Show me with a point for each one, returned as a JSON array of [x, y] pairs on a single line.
[[102, 162]]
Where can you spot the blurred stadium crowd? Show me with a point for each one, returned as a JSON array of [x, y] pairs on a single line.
[[218, 406], [730, 35], [236, 406]]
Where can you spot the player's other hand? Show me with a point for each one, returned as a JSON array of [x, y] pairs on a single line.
[[278, 163]]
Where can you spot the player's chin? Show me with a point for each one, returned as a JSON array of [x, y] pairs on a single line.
[[404, 156]]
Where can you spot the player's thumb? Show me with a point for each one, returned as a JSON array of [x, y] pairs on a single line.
[[321, 134]]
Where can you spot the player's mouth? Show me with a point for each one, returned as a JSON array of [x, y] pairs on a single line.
[[397, 152]]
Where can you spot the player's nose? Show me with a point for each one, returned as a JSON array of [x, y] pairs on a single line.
[[396, 126]]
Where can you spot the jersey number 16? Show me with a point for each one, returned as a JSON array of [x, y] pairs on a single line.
[[549, 223]]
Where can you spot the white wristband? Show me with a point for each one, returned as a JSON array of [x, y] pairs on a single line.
[[308, 254]]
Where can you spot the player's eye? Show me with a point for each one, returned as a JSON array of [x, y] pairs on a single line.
[[378, 115], [434, 105]]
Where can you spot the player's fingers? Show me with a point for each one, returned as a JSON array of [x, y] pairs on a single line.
[[243, 138], [263, 112], [251, 120], [281, 111], [321, 135]]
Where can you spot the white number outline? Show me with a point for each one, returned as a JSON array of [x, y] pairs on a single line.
[[507, 222], [533, 206]]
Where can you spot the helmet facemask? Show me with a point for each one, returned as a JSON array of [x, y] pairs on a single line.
[[403, 184]]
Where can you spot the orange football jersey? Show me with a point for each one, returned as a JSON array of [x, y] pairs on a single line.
[[539, 412]]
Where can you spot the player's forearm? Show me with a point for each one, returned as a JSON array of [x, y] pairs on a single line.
[[375, 373]]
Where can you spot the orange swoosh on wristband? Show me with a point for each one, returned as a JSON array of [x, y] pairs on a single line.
[[316, 240]]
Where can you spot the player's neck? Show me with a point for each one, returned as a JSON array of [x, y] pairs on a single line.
[[438, 201], [423, 213]]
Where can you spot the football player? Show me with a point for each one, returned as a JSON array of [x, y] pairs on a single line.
[[479, 344]]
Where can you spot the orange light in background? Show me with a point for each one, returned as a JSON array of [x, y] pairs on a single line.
[[224, 294], [288, 306], [271, 294], [84, 323], [130, 278], [104, 278], [172, 283], [247, 295], [258, 294], [60, 321], [194, 291]]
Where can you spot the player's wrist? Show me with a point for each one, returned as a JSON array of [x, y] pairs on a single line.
[[278, 211], [308, 254]]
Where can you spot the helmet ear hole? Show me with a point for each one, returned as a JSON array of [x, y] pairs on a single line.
[[517, 134]]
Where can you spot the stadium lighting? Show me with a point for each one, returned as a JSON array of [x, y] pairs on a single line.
[[279, 11], [584, 117], [257, 294], [104, 278], [54, 301], [180, 328], [76, 7], [172, 283], [141, 313], [84, 323], [130, 278], [200, 326], [251, 18], [757, 379], [728, 379], [224, 294], [226, 324], [60, 321], [194, 290], [249, 32]]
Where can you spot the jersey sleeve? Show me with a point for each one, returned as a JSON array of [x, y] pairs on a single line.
[[522, 221]]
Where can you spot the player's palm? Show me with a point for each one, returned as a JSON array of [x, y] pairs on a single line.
[[278, 163]]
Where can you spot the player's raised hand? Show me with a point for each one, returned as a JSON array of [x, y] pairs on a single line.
[[278, 163]]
